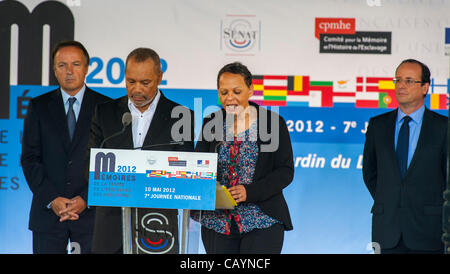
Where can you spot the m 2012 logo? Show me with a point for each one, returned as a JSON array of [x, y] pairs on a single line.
[[29, 44], [60, 20], [240, 34], [104, 163]]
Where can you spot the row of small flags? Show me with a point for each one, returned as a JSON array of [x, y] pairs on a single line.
[[365, 92], [181, 174]]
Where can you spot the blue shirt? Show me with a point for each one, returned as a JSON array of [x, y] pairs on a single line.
[[76, 104], [414, 129]]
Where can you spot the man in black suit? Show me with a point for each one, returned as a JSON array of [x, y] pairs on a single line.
[[405, 167], [151, 127], [55, 135]]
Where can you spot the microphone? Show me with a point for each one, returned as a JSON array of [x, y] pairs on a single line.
[[162, 144], [126, 121]]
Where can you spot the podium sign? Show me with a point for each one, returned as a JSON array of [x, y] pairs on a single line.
[[152, 179]]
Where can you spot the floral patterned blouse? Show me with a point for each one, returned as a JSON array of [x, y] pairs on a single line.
[[236, 166]]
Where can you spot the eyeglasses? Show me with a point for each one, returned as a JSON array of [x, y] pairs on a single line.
[[408, 82]]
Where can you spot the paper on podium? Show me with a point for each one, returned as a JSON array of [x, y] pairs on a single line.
[[223, 198]]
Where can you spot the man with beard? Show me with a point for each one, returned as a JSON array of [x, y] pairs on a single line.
[[150, 128]]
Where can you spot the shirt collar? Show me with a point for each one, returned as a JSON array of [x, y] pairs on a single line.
[[79, 95], [416, 116], [150, 109]]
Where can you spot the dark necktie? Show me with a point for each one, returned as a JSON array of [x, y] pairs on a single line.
[[71, 121], [403, 145]]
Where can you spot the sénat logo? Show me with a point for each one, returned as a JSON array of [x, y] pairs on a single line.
[[240, 33], [335, 26]]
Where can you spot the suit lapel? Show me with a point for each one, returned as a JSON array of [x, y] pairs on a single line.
[[58, 113], [84, 117], [124, 140], [390, 131], [159, 121], [390, 125]]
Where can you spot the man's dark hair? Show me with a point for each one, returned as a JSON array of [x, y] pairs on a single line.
[[236, 68], [143, 54], [425, 70], [72, 43]]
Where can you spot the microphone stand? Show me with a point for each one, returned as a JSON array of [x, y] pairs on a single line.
[[160, 145], [126, 121], [126, 211], [127, 218]]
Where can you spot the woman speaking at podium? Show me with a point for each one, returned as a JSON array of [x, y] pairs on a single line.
[[255, 164]]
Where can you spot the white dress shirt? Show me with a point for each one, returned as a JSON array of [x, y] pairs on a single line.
[[142, 120]]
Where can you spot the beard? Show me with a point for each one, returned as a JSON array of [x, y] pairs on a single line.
[[139, 99]]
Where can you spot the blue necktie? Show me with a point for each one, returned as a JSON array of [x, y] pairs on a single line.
[[403, 146], [71, 120]]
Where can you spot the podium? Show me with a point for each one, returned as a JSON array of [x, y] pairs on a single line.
[[155, 182]]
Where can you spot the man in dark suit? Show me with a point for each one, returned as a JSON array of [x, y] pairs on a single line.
[[405, 167], [55, 135], [151, 127]]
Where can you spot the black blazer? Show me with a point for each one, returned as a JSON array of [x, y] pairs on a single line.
[[52, 164], [410, 207], [107, 120], [273, 172]]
